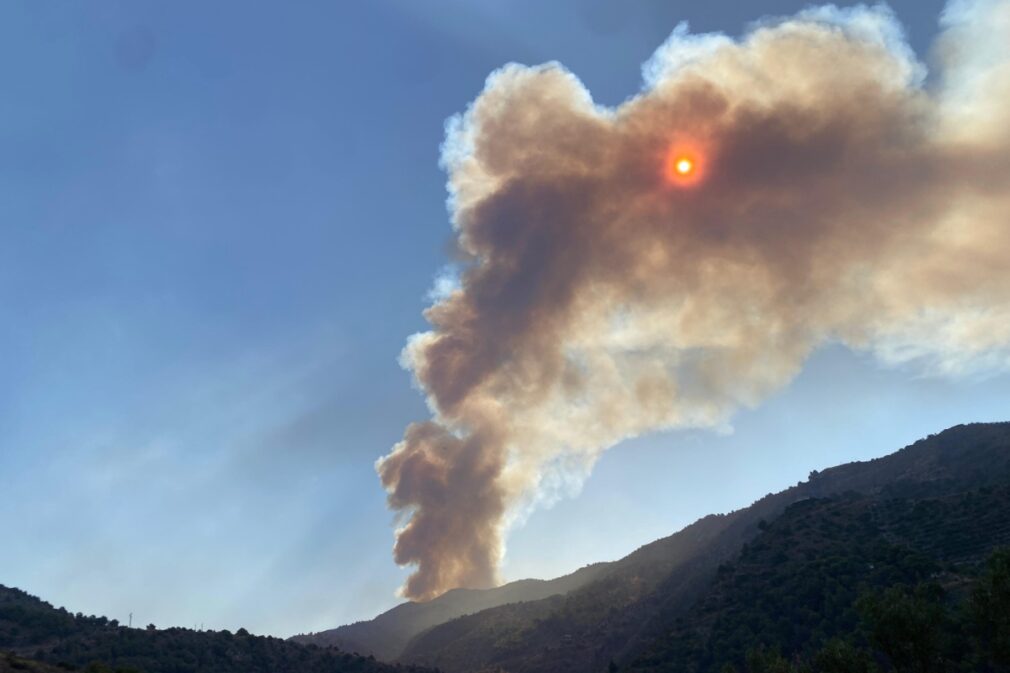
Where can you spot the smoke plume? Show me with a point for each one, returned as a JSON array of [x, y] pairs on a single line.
[[836, 192]]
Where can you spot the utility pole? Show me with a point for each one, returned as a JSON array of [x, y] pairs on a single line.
[[131, 620]]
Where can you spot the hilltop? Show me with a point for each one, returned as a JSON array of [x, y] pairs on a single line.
[[35, 636]]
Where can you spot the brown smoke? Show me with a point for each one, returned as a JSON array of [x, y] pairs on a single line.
[[843, 200]]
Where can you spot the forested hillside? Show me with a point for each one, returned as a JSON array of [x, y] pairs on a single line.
[[799, 585], [385, 636], [35, 636], [911, 514], [886, 565]]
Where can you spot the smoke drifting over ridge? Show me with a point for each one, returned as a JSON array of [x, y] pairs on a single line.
[[839, 199]]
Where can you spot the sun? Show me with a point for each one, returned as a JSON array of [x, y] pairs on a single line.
[[684, 165]]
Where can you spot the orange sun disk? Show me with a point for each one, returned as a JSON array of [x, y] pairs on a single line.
[[683, 167]]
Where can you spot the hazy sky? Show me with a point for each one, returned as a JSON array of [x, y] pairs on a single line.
[[218, 225]]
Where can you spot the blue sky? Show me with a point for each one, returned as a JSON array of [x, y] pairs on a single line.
[[218, 224]]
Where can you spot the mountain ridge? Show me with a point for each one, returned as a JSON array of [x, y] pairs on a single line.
[[36, 636], [615, 612], [387, 634], [782, 573]]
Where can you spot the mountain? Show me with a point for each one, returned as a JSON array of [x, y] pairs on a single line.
[[870, 566], [386, 635], [625, 609], [797, 584], [35, 636]]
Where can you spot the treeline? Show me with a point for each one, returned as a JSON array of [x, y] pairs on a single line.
[[34, 633], [921, 629]]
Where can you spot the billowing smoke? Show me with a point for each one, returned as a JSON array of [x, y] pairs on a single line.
[[833, 194]]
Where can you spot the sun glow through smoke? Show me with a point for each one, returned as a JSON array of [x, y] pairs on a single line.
[[683, 166]]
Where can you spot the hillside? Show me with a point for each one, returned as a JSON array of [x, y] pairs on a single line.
[[633, 602], [825, 571], [10, 663], [385, 636], [35, 636], [797, 584]]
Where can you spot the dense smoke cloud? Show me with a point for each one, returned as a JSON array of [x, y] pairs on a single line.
[[836, 196]]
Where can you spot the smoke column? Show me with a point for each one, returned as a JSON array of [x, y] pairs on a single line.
[[837, 195]]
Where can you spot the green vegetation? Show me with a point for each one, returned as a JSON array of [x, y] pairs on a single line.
[[871, 567], [840, 584], [39, 637], [9, 663], [386, 635], [914, 630], [786, 571], [990, 609]]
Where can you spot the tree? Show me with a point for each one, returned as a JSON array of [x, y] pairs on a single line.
[[906, 625], [764, 660], [990, 607], [839, 656]]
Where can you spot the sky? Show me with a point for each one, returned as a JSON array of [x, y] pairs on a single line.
[[220, 222]]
